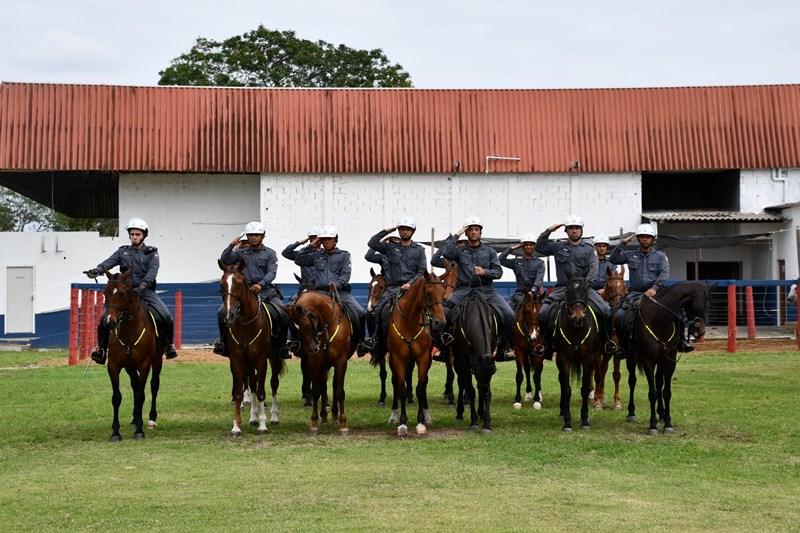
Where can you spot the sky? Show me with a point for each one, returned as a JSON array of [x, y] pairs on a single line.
[[465, 44]]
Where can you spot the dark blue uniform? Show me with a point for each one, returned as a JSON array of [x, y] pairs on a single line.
[[529, 274]]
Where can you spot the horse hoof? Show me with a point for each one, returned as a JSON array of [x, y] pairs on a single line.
[[528, 397], [344, 432], [617, 406], [537, 406], [587, 427], [253, 422], [631, 419], [567, 429], [307, 405], [236, 433], [421, 429], [313, 431], [517, 406], [669, 431], [151, 424], [402, 430], [381, 404], [598, 407], [474, 427], [486, 431], [591, 395], [275, 422], [652, 431], [451, 406], [116, 438], [138, 436], [261, 432]]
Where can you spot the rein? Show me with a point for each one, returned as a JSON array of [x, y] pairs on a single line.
[[588, 330], [425, 316], [243, 322]]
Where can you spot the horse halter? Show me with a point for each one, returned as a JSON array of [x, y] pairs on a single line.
[[124, 313], [238, 308]]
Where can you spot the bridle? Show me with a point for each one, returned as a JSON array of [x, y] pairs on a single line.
[[244, 287]]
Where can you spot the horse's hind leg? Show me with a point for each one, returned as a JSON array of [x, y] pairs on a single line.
[[155, 384], [423, 414], [383, 375], [305, 386], [538, 365], [631, 364], [410, 381], [274, 383], [617, 375], [667, 399], [338, 395], [600, 383], [448, 386], [518, 379]]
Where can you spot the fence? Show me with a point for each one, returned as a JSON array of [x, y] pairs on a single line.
[[194, 309]]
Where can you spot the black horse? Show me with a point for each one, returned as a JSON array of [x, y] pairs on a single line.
[[652, 343], [576, 340], [475, 338]]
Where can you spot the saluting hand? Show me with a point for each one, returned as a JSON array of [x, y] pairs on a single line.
[[554, 227]]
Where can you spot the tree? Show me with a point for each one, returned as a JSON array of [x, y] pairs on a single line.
[[19, 213], [270, 58]]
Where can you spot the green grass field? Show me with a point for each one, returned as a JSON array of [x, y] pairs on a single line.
[[732, 464]]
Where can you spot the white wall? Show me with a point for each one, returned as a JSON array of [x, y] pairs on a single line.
[[761, 188]]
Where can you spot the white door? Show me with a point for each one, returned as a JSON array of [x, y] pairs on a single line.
[[19, 300]]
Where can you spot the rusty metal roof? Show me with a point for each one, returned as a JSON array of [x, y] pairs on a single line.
[[712, 216], [187, 129]]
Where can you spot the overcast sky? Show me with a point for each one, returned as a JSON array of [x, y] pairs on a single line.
[[442, 43]]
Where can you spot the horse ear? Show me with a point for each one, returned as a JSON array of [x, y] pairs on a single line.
[[446, 263], [221, 264], [126, 275], [241, 265], [298, 278], [372, 272], [609, 271]]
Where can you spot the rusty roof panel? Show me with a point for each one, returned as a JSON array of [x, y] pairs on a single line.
[[189, 129]]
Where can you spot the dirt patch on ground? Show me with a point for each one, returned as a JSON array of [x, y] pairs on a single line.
[[744, 345]]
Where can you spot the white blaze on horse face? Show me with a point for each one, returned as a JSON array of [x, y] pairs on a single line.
[[372, 285], [227, 300]]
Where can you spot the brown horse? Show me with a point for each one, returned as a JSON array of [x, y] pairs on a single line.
[[652, 344], [377, 288], [324, 332], [577, 342], [614, 290], [449, 281], [135, 346], [305, 385], [416, 318], [251, 343], [527, 335]]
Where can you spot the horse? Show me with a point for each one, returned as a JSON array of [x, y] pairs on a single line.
[[614, 290], [576, 340], [134, 345], [652, 343], [474, 341], [416, 318], [449, 279], [377, 288], [305, 385], [791, 298], [527, 335], [251, 344], [325, 334]]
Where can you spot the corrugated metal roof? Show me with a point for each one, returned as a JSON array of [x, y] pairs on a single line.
[[93, 127], [712, 216]]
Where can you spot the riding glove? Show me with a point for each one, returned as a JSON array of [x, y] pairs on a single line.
[[141, 288], [92, 273]]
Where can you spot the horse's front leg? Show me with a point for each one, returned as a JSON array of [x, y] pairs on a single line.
[[382, 398], [526, 366], [237, 393], [305, 385], [399, 392], [586, 385], [652, 395], [617, 375], [538, 365], [631, 364], [410, 381], [518, 379], [116, 401], [566, 395], [601, 370], [423, 367], [667, 400], [155, 384], [448, 387], [339, 395], [274, 383], [138, 384], [259, 398]]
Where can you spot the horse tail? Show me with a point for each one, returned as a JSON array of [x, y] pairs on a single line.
[[377, 360]]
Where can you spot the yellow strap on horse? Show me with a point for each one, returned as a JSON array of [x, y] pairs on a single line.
[[135, 343], [335, 332], [588, 331], [249, 343], [656, 337], [155, 324], [269, 316], [401, 335]]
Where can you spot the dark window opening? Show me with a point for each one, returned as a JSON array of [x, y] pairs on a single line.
[[713, 191]]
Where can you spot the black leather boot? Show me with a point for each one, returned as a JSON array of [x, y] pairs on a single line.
[[100, 352]]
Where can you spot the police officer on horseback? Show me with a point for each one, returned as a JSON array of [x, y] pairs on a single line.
[[577, 258], [143, 261], [649, 269], [528, 269], [332, 265], [261, 267], [477, 268], [406, 262], [437, 259], [603, 264]]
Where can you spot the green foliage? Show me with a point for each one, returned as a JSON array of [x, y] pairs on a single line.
[[270, 58], [731, 465], [20, 213]]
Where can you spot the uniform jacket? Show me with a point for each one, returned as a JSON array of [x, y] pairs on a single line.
[[579, 259], [144, 262]]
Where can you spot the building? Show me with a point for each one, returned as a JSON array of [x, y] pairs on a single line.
[[716, 168]]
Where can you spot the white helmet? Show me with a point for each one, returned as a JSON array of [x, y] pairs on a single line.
[[327, 232], [528, 237], [473, 221], [463, 237], [243, 238], [137, 223], [313, 232], [646, 229], [406, 221], [600, 239], [573, 220], [254, 227]]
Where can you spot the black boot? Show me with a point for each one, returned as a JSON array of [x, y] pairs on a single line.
[[545, 350], [219, 347], [683, 344], [100, 351], [503, 352], [169, 332], [170, 351], [291, 346], [366, 346], [219, 344]]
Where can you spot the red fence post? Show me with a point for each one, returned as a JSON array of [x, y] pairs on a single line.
[[86, 312], [731, 318], [99, 301], [178, 319], [797, 329], [73, 326], [751, 314]]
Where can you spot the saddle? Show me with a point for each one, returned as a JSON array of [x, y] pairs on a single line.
[[458, 311]]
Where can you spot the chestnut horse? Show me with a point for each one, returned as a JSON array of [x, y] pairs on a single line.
[[614, 290], [474, 341], [527, 335], [576, 340], [416, 318], [652, 345], [377, 288], [135, 346], [251, 343], [324, 331]]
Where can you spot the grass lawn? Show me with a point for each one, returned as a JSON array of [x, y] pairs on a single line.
[[732, 464]]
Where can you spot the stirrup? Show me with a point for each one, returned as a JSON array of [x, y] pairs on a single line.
[[219, 347], [543, 352], [98, 355], [170, 351], [610, 348], [445, 339], [369, 343]]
